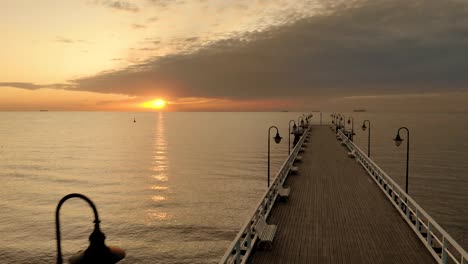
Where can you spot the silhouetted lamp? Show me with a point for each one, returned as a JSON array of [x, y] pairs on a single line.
[[289, 136], [97, 252], [368, 135], [398, 141], [277, 139]]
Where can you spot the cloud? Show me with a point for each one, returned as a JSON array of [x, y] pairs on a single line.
[[121, 5], [68, 40], [138, 26], [368, 48], [165, 3], [32, 86], [192, 39]]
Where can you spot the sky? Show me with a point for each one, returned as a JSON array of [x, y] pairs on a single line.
[[242, 55]]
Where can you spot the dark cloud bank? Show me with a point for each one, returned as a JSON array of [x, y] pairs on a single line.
[[373, 47]]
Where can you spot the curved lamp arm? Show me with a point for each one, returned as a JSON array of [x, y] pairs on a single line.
[[57, 220]]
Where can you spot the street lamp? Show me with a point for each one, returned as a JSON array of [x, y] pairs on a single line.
[[398, 141], [277, 140], [300, 124], [97, 252], [351, 121], [368, 135], [289, 136], [337, 123], [343, 121]]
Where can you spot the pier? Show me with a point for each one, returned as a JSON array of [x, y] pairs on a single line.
[[342, 208]]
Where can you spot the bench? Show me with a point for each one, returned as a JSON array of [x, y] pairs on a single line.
[[343, 143], [283, 193], [294, 170], [266, 233], [298, 159]]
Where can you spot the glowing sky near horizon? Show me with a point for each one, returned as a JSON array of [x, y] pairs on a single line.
[[225, 55]]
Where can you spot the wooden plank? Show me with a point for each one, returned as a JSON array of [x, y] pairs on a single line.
[[336, 214]]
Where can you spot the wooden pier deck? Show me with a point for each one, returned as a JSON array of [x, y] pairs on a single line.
[[337, 214]]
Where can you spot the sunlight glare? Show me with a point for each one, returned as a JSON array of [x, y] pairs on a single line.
[[155, 104]]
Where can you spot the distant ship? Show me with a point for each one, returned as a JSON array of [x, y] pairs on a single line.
[[359, 110]]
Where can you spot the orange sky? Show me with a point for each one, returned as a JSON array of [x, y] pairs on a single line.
[[233, 55]]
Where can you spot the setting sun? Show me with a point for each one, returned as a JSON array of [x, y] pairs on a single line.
[[156, 104]]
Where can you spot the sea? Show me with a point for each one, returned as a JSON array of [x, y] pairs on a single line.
[[177, 187]]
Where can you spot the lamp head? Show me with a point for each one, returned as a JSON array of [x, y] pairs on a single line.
[[398, 140], [363, 127], [98, 252], [349, 121], [277, 138]]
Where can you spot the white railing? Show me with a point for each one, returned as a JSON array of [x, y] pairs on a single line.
[[439, 243], [240, 249]]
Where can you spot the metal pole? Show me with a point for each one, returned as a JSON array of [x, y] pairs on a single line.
[[289, 136], [368, 136], [277, 131], [407, 161], [57, 220], [407, 154], [268, 181]]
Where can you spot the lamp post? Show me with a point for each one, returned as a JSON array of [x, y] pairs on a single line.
[[277, 140], [97, 252], [336, 122], [398, 141], [289, 136], [300, 124], [351, 121], [368, 135], [343, 121]]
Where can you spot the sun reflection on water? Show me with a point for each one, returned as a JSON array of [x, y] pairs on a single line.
[[159, 175], [159, 188], [158, 198]]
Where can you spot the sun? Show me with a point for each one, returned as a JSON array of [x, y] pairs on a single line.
[[155, 104]]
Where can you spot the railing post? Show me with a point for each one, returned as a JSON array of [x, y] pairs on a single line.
[[444, 250], [429, 236], [417, 220], [238, 256], [249, 238], [407, 208]]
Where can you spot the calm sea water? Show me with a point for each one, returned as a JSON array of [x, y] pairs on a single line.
[[176, 187]]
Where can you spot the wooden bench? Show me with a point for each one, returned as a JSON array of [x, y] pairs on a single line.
[[266, 233], [294, 170], [283, 193]]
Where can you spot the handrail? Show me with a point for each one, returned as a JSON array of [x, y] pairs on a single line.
[[426, 228], [241, 247]]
